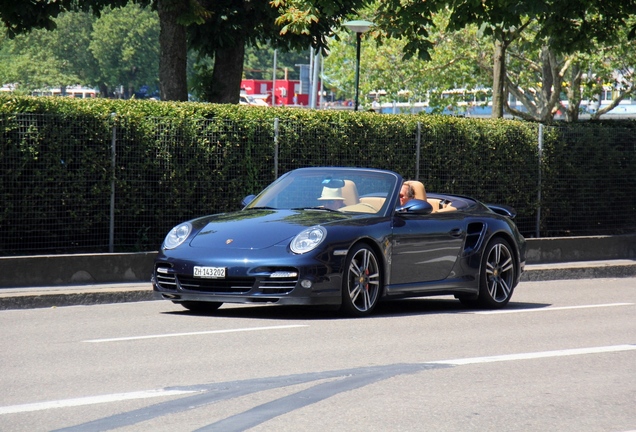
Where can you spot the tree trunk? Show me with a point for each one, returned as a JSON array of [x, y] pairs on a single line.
[[499, 76], [548, 84], [552, 84], [574, 94], [227, 74], [104, 91], [173, 44]]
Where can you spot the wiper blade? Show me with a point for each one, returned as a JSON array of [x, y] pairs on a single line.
[[316, 208]]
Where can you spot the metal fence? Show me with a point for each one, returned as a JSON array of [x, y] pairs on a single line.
[[74, 184]]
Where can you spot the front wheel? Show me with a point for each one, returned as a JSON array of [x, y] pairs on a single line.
[[497, 276], [361, 282]]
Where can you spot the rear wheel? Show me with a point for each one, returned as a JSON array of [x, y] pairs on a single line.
[[498, 274], [361, 282], [201, 307]]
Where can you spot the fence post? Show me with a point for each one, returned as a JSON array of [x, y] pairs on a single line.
[[418, 141], [111, 230], [539, 181], [276, 148]]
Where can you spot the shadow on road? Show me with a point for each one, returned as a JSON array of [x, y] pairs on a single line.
[[403, 307]]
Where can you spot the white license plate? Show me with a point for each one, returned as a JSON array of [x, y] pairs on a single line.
[[209, 272]]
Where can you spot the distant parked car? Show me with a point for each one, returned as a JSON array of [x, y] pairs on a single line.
[[245, 99], [338, 236]]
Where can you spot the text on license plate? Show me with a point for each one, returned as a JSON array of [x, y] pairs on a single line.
[[209, 272]]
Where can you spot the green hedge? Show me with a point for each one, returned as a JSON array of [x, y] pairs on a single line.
[[175, 161]]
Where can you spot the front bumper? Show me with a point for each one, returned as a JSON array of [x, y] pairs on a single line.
[[313, 283]]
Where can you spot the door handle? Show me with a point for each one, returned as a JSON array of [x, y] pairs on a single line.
[[456, 232]]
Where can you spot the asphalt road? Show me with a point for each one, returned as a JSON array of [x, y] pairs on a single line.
[[561, 357]]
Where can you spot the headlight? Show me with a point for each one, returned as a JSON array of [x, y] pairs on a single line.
[[308, 239], [177, 235]]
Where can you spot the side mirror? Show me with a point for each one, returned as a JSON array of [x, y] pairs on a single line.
[[248, 199], [415, 207]]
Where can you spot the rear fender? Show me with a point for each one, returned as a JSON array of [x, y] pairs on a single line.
[[503, 210]]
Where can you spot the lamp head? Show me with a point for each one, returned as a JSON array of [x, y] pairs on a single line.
[[359, 26]]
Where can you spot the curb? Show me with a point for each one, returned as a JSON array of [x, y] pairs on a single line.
[[580, 270], [50, 297]]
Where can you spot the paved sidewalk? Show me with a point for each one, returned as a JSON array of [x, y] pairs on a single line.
[[44, 297]]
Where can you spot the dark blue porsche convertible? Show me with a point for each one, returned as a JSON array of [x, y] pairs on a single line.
[[344, 237]]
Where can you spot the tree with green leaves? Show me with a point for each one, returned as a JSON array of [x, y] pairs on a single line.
[[45, 58], [566, 25], [259, 61], [452, 63], [125, 45], [609, 66], [544, 81], [119, 48], [174, 16], [232, 25], [218, 30]]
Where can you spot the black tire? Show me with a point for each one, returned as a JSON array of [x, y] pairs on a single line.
[[361, 282], [201, 307], [497, 276]]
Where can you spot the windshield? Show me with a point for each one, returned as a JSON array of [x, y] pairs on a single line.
[[335, 189]]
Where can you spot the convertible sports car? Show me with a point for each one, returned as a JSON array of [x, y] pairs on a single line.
[[339, 236]]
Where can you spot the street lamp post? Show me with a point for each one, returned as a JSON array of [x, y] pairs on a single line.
[[358, 27]]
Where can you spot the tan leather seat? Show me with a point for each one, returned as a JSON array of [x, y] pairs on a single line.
[[435, 203], [420, 193], [353, 202], [375, 202], [447, 208]]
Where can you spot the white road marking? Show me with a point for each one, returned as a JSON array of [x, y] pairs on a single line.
[[194, 333], [536, 355], [91, 400], [116, 397], [548, 309]]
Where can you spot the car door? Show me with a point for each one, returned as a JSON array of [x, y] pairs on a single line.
[[425, 247]]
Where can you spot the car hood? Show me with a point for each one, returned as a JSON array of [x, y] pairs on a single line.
[[257, 228]]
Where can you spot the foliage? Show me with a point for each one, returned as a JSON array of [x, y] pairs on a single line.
[[569, 24], [589, 154], [125, 45], [564, 25], [453, 63], [21, 17], [233, 25], [120, 48], [454, 35], [536, 74], [259, 61], [42, 58], [175, 161]]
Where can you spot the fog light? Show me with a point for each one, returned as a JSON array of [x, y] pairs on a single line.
[[283, 274], [306, 283]]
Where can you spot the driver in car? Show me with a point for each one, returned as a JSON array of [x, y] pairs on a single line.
[[332, 198], [406, 193]]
